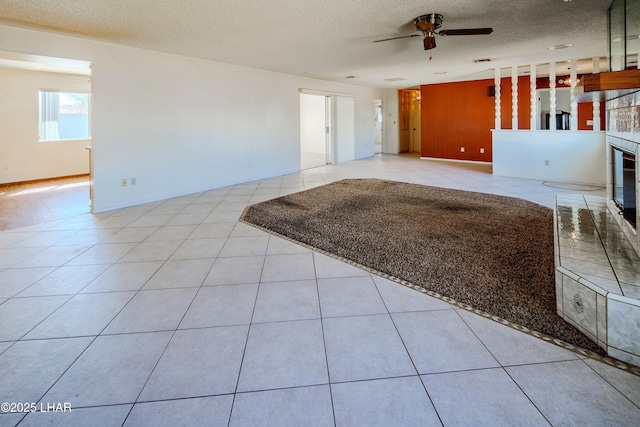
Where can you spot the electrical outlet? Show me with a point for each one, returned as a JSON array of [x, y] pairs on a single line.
[[124, 182], [462, 149], [133, 180], [482, 151]]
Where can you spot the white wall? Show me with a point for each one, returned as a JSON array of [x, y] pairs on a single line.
[[572, 156], [181, 125], [22, 156]]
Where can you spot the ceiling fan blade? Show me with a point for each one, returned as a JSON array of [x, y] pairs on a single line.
[[396, 38], [429, 42], [466, 32]]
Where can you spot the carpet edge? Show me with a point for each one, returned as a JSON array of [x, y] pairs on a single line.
[[536, 334]]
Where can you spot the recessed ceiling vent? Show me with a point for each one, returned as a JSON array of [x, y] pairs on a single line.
[[482, 60], [560, 46], [395, 79]]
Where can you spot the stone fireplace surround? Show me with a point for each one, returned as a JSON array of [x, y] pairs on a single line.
[[597, 252], [623, 131]]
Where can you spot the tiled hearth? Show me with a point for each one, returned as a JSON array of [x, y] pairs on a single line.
[[597, 275]]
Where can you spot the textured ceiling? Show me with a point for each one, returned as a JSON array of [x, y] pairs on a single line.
[[332, 39]]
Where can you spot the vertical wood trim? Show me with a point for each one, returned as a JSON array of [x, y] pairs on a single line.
[[552, 96], [496, 82]]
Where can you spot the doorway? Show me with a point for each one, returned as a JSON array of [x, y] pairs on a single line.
[[315, 135], [414, 122], [377, 123], [409, 120], [60, 113]]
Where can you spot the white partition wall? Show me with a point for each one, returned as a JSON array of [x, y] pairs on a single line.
[[569, 156], [563, 156]]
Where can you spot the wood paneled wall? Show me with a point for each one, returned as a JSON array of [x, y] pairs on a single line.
[[524, 102], [462, 114], [456, 115]]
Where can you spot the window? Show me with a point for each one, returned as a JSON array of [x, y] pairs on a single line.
[[64, 116]]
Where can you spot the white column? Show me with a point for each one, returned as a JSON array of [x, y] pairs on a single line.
[[573, 76], [596, 104], [496, 82], [552, 96], [514, 98], [533, 120]]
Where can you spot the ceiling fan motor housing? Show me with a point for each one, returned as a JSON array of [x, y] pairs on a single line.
[[428, 22]]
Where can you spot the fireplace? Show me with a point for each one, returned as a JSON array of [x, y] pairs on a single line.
[[624, 184]]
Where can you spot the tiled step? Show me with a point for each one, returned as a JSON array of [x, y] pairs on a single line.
[[597, 276]]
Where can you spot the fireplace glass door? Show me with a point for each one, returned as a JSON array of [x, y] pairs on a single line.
[[624, 184]]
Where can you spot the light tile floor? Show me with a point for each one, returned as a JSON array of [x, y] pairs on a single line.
[[174, 313]]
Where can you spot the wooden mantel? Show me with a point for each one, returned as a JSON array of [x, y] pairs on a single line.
[[608, 85]]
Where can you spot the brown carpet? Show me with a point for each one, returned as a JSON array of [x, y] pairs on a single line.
[[491, 252]]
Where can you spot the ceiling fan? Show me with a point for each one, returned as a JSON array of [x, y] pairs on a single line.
[[429, 23]]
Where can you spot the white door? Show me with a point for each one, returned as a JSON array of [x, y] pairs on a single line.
[[343, 135]]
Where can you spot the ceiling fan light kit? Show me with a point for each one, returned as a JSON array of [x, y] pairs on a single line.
[[429, 23], [429, 42]]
